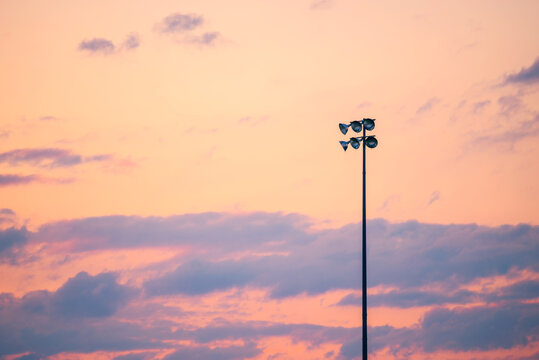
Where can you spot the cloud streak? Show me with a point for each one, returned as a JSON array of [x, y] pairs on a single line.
[[529, 75], [179, 23], [48, 157]]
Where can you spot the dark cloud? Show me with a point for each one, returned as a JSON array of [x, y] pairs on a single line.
[[221, 231], [75, 318], [180, 23], [91, 296], [97, 45], [480, 328], [11, 240], [299, 260], [412, 298], [48, 157], [131, 42], [529, 75], [6, 211], [197, 277]]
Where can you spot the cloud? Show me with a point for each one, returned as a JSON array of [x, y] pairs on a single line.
[[419, 265], [48, 118], [520, 131], [180, 23], [435, 196], [131, 42], [75, 318], [207, 38], [91, 296], [11, 241], [480, 328], [15, 179], [321, 4], [107, 47], [427, 106], [529, 75], [48, 157], [479, 106], [197, 277], [298, 260], [97, 45], [246, 351]]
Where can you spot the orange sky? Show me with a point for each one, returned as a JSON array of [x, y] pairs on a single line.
[[249, 122]]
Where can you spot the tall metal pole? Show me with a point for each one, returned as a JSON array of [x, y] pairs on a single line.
[[364, 224]]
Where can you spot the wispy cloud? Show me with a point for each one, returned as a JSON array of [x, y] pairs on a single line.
[[48, 157], [529, 75], [15, 179], [427, 106], [204, 39], [321, 4], [106, 47], [182, 26], [131, 42], [520, 131], [435, 196], [97, 45], [179, 23]]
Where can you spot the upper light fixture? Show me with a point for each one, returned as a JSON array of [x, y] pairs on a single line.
[[343, 128], [369, 124]]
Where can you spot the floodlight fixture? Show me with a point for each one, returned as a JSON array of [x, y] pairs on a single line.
[[355, 142], [371, 142], [369, 124], [343, 128], [344, 144], [356, 126]]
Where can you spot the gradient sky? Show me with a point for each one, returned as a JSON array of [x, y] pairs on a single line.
[[172, 187]]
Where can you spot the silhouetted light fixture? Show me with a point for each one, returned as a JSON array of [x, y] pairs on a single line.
[[343, 128], [370, 142], [344, 144]]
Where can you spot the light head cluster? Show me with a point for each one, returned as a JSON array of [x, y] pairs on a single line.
[[358, 126]]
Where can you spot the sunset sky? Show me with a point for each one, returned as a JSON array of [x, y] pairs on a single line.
[[172, 186]]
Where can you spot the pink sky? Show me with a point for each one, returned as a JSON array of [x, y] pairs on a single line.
[[171, 179]]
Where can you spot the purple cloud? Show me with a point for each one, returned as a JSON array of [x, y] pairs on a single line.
[[48, 157], [97, 45], [427, 106], [205, 39], [180, 23], [14, 179], [131, 42], [529, 75]]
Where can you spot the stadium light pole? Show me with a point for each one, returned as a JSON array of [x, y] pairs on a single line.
[[370, 142]]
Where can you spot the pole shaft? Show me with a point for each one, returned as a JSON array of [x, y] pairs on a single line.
[[364, 238]]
